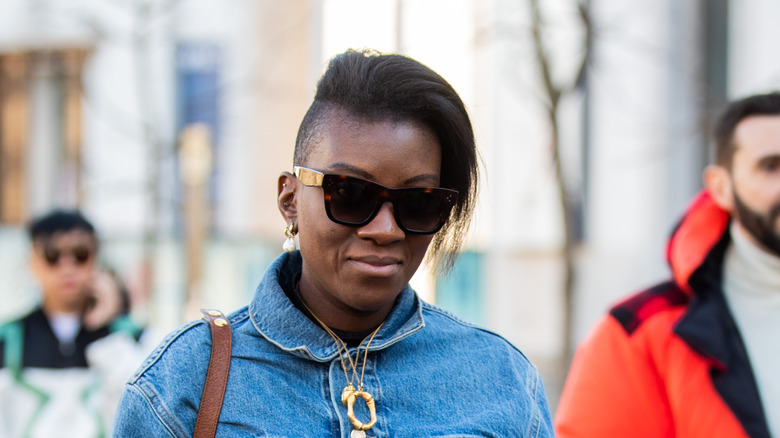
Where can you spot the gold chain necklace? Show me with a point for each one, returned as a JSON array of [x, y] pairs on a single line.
[[349, 394]]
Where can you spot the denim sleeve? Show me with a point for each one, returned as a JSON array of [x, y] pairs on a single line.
[[135, 417], [541, 424]]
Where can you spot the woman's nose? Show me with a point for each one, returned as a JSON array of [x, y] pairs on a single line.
[[383, 228]]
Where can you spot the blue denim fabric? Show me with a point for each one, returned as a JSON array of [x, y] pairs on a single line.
[[431, 374]]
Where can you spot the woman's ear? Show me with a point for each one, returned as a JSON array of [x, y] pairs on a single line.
[[286, 189], [718, 182]]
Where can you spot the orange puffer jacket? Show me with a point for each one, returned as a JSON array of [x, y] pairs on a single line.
[[669, 361]]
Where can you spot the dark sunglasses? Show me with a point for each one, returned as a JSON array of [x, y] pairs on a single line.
[[81, 254], [355, 202]]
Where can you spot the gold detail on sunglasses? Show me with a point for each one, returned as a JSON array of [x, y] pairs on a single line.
[[309, 177]]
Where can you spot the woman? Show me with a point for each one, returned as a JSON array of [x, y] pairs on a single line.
[[335, 342]]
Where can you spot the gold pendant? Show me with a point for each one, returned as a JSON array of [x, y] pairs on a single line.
[[346, 392], [350, 403], [357, 434]]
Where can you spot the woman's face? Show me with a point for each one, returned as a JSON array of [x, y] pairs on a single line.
[[352, 275]]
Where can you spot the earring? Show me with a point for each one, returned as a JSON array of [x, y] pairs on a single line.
[[289, 243]]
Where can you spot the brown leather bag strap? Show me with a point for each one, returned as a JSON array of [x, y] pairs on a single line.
[[217, 375]]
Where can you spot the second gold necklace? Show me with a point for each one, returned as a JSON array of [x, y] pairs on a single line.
[[350, 394]]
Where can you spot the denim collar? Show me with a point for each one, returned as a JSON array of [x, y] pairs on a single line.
[[281, 323]]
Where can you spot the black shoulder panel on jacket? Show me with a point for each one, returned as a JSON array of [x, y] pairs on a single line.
[[632, 312]]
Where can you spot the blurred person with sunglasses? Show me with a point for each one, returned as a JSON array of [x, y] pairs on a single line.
[[60, 372], [335, 343]]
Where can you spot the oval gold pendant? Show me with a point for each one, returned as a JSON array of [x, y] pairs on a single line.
[[351, 397]]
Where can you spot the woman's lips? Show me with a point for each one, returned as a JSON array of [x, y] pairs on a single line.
[[376, 266]]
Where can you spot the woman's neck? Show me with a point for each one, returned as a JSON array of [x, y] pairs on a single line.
[[349, 323]]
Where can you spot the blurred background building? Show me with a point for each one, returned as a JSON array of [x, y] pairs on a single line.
[[168, 122]]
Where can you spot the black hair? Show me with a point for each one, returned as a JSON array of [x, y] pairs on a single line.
[[59, 221], [368, 86], [735, 112]]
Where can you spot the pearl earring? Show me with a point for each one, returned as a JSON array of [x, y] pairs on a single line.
[[289, 243]]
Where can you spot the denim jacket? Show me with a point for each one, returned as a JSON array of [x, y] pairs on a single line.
[[431, 375]]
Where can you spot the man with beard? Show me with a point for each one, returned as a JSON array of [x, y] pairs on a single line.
[[698, 356]]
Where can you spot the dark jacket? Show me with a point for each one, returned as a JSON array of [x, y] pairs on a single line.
[[50, 388], [30, 342]]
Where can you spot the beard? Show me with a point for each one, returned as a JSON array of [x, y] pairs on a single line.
[[759, 225]]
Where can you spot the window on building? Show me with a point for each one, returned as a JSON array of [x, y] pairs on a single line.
[[40, 132]]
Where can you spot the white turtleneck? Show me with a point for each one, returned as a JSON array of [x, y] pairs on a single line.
[[751, 283]]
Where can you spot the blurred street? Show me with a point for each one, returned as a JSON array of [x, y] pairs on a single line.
[[168, 122]]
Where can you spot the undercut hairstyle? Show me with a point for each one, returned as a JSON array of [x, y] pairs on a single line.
[[735, 112], [59, 221], [369, 87]]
